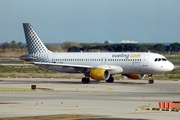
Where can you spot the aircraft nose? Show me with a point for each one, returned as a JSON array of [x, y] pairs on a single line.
[[170, 66]]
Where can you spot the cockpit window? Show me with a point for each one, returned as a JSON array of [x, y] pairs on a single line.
[[160, 59], [163, 59]]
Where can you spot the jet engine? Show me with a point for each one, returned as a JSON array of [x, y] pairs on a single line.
[[135, 76], [99, 74]]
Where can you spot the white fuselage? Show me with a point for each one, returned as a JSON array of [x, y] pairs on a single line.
[[130, 62]]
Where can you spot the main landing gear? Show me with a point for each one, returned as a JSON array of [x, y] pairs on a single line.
[[110, 80], [150, 79], [85, 80]]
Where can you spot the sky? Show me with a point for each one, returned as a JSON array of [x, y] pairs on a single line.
[[92, 21]]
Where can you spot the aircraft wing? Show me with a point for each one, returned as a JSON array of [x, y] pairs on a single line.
[[62, 65], [107, 67]]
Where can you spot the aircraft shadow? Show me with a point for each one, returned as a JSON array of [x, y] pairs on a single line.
[[132, 83]]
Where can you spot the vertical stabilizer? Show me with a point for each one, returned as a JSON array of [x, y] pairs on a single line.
[[34, 43]]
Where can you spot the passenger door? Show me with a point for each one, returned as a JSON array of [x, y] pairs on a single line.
[[145, 60]]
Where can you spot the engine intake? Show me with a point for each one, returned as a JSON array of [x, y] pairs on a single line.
[[99, 74]]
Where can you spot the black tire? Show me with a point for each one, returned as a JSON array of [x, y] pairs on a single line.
[[151, 81], [85, 80], [110, 80]]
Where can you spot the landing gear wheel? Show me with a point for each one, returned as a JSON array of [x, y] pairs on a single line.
[[110, 80], [85, 80], [151, 81]]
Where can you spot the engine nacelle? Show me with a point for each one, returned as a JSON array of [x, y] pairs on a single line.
[[99, 74], [135, 76]]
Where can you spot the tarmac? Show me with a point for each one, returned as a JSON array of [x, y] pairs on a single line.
[[70, 99]]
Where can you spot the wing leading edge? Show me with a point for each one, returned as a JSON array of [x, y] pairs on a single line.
[[107, 67], [62, 65]]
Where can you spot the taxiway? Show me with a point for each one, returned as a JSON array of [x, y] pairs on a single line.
[[121, 99]]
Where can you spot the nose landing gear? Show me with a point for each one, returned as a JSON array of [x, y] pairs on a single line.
[[150, 79]]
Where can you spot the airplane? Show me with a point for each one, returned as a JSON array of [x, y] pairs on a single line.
[[94, 65]]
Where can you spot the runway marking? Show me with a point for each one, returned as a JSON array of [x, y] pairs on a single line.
[[12, 106], [110, 88]]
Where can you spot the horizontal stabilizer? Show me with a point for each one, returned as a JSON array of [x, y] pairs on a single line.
[[26, 58]]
